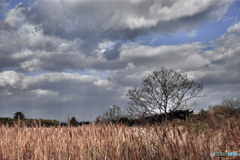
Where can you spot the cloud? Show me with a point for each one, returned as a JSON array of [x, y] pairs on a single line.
[[12, 80], [185, 56], [217, 69], [45, 35], [116, 15], [192, 34], [52, 93], [98, 36], [226, 51], [221, 76]]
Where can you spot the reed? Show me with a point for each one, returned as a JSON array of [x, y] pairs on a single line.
[[108, 141]]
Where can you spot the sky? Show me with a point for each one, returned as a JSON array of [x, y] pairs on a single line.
[[78, 57]]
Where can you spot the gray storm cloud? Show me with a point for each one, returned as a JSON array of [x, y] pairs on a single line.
[[43, 34], [98, 36]]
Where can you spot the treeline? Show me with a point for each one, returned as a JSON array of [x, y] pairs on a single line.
[[220, 114], [146, 119], [227, 110], [215, 117], [19, 119], [28, 122], [38, 122]]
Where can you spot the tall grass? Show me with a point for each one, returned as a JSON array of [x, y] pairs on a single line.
[[101, 141]]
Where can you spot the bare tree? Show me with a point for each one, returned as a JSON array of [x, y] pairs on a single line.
[[162, 90], [113, 113], [232, 103]]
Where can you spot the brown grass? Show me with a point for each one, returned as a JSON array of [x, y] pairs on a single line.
[[101, 141]]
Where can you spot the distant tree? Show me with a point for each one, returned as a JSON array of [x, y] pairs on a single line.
[[162, 90], [232, 103], [113, 113], [222, 111], [73, 121], [99, 119], [63, 124], [84, 123], [19, 114]]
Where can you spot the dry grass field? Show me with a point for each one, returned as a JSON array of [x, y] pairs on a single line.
[[113, 142]]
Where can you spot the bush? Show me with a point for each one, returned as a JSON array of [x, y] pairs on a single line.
[[74, 122]]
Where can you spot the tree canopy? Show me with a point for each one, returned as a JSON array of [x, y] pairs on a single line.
[[74, 122], [162, 90], [19, 114], [113, 113], [232, 103]]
